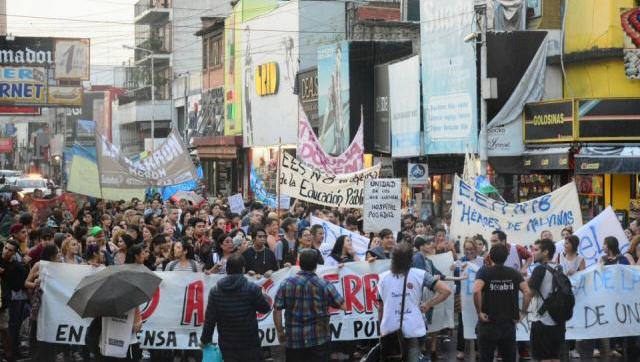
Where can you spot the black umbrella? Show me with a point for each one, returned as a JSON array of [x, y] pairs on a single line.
[[114, 290]]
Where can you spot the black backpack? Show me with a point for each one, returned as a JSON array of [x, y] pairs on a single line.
[[560, 301]]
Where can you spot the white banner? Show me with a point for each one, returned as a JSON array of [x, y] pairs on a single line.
[[382, 205], [236, 203], [606, 304], [475, 213], [174, 318], [307, 183], [442, 316], [333, 231]]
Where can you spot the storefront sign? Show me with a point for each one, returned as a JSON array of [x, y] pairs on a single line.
[[65, 96], [267, 79], [609, 119], [23, 85], [308, 94], [72, 59], [417, 174], [599, 160], [32, 51], [382, 205], [310, 151], [546, 122], [474, 213], [6, 145], [307, 183], [558, 161]]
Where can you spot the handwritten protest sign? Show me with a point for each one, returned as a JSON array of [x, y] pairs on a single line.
[[174, 317], [592, 236], [310, 151], [382, 205], [307, 183], [236, 203], [606, 304], [475, 213], [333, 231]]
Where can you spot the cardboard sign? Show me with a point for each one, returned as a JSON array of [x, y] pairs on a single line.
[[382, 205]]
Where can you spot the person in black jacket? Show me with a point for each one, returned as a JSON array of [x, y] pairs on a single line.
[[12, 276], [232, 307]]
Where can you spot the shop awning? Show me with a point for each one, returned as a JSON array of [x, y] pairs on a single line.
[[614, 159], [549, 158], [507, 164]]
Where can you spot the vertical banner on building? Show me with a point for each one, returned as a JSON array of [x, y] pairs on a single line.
[[630, 19], [382, 205], [448, 77], [404, 94], [381, 116], [333, 97]]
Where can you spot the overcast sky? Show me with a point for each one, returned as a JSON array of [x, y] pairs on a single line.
[[34, 18]]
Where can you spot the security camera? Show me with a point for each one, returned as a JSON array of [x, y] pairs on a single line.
[[470, 37]]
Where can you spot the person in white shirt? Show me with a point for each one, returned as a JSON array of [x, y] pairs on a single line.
[[390, 292]]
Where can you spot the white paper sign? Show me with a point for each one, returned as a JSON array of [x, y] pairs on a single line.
[[442, 316], [333, 231], [475, 213], [382, 205], [236, 203]]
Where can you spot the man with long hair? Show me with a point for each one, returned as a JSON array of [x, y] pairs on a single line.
[[391, 289]]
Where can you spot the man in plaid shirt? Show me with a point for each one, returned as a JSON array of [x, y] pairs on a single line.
[[306, 299]]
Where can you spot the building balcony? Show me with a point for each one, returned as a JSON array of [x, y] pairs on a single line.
[[141, 111], [152, 11]]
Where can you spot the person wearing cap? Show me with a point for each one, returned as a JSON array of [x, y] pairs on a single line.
[[106, 248]]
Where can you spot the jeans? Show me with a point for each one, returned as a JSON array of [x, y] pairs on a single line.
[[412, 347], [500, 335], [310, 354], [17, 314]]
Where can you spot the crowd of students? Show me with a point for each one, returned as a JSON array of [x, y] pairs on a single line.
[[180, 236]]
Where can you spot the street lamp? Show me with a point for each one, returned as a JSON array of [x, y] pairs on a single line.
[[153, 92]]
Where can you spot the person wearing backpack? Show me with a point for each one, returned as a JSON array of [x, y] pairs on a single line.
[[553, 302]]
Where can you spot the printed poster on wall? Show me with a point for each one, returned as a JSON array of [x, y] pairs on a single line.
[[382, 205], [475, 213], [449, 77], [269, 66], [404, 99], [630, 19], [310, 150], [333, 97], [307, 183]]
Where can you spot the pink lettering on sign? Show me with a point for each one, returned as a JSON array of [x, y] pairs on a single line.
[[310, 151]]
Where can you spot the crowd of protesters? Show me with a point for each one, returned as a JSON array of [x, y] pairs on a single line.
[[208, 238]]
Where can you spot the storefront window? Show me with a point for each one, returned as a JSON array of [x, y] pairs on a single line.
[[441, 194], [536, 185], [591, 194]]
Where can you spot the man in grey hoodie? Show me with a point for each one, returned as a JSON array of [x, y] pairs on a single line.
[[232, 306]]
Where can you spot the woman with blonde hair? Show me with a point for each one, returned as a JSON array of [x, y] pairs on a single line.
[[70, 251]]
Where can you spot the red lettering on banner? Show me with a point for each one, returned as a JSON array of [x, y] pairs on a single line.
[[266, 287], [370, 292], [193, 304], [333, 279], [151, 306], [352, 285]]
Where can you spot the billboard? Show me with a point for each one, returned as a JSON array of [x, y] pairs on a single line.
[[404, 90], [630, 19], [333, 97], [448, 77], [23, 85], [269, 67]]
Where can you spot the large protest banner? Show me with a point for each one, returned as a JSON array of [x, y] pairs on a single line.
[[84, 180], [174, 318], [333, 231], [307, 183], [606, 304], [382, 205], [169, 164], [475, 213], [310, 150]]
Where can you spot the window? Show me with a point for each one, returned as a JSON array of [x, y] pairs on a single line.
[[215, 51], [205, 43]]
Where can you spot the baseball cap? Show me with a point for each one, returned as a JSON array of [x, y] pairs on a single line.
[[95, 231], [16, 228]]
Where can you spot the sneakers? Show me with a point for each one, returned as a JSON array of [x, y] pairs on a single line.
[[524, 354], [574, 354], [596, 353]]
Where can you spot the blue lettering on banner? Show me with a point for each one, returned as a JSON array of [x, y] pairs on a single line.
[[562, 218], [607, 279], [470, 216]]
